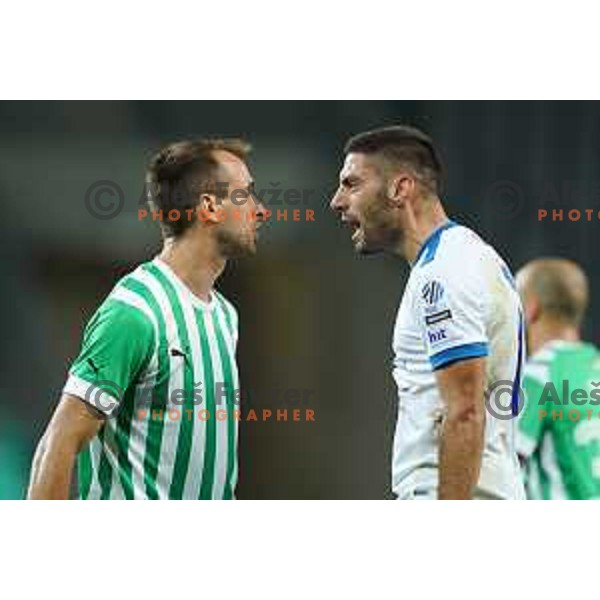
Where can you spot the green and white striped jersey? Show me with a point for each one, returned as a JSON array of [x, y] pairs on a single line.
[[160, 363], [559, 426]]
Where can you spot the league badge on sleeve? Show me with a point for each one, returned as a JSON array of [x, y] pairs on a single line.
[[432, 293], [435, 305]]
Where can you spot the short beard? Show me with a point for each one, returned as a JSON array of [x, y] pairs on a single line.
[[381, 240], [231, 246], [379, 232]]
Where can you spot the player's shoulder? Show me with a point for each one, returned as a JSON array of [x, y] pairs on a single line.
[[445, 245], [567, 355], [555, 350], [458, 253], [452, 253], [128, 305], [542, 363]]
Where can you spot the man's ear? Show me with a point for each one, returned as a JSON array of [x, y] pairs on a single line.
[[210, 209], [401, 188], [533, 309]]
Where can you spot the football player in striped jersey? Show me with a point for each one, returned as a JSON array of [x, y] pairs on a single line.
[[559, 428], [149, 407]]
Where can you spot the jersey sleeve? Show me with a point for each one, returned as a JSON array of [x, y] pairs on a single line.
[[117, 343], [529, 424], [451, 311]]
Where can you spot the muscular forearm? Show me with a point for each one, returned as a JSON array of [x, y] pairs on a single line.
[[52, 470], [461, 446]]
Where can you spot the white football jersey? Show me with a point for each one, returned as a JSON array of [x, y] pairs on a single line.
[[460, 302]]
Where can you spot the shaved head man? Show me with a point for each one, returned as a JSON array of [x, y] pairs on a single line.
[[559, 428], [555, 296]]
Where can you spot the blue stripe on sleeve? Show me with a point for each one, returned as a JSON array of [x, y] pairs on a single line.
[[445, 357]]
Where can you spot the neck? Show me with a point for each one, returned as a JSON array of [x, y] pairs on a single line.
[[549, 330], [196, 261], [419, 223]]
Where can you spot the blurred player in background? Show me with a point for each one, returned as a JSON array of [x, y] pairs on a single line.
[[149, 404], [559, 441], [459, 325]]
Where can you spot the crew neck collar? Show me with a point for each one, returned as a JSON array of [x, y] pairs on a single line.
[[183, 288]]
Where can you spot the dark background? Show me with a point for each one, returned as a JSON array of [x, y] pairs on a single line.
[[313, 315]]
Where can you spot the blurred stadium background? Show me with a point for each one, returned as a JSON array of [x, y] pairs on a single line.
[[313, 315]]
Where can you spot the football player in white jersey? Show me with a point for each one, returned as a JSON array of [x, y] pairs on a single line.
[[459, 334]]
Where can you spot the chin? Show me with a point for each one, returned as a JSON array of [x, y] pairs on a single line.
[[237, 247], [243, 249], [377, 241]]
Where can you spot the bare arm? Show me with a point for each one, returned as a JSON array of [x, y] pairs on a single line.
[[462, 388], [71, 427]]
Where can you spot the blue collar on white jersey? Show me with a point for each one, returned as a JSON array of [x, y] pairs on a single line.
[[430, 245]]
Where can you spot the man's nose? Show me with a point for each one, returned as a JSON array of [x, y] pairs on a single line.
[[260, 209], [336, 201]]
